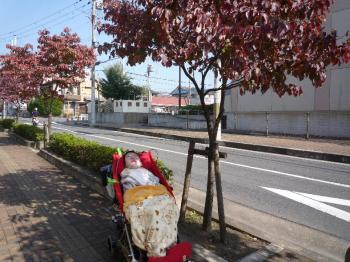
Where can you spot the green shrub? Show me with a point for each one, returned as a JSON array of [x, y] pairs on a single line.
[[29, 132], [168, 173], [81, 151], [7, 123], [88, 153], [194, 109]]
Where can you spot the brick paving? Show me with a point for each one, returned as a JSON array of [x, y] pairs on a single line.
[[332, 146], [46, 215]]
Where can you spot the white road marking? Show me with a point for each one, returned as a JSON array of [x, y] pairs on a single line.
[[287, 174], [230, 148], [221, 161], [341, 214], [329, 200]]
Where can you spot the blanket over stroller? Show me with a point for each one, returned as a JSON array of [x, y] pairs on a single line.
[[153, 216], [149, 207]]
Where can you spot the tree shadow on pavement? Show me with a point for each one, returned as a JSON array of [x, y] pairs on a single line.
[[48, 216], [237, 245]]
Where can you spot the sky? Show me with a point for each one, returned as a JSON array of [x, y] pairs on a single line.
[[22, 19]]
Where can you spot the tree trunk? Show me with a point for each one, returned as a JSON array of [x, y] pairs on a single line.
[[17, 115], [219, 194], [208, 209], [49, 124], [49, 119]]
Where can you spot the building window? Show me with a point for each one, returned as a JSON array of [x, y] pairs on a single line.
[[145, 105], [137, 104], [121, 103], [129, 104], [116, 104]]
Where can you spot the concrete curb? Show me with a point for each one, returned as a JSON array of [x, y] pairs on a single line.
[[252, 147], [300, 239], [25, 142]]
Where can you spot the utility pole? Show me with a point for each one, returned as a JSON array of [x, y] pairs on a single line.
[[93, 80], [217, 101], [179, 87], [4, 108], [149, 70], [14, 40]]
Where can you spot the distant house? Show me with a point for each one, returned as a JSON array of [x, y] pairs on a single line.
[[191, 96], [166, 104], [76, 99], [131, 106]]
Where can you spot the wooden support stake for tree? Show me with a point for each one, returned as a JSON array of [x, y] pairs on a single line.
[[187, 181], [46, 136], [219, 195]]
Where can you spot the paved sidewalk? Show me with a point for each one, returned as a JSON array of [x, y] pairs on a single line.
[[46, 215]]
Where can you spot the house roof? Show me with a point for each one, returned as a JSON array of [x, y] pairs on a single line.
[[185, 90], [167, 101]]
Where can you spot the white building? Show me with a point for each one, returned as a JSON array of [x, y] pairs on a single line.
[[131, 106], [321, 112]]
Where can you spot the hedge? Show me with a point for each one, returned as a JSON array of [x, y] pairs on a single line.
[[29, 132], [7, 123], [88, 153], [194, 109]]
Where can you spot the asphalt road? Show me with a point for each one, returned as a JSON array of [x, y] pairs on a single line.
[[310, 192]]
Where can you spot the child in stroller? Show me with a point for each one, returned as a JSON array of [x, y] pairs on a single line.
[[146, 207]]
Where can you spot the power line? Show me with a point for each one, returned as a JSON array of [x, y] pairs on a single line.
[[62, 18], [153, 78], [13, 32]]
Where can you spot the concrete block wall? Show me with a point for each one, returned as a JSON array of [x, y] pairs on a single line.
[[177, 121], [121, 119], [321, 123], [110, 118]]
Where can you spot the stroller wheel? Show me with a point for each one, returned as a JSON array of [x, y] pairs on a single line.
[[112, 245]]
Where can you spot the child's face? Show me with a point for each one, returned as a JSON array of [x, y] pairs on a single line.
[[132, 160]]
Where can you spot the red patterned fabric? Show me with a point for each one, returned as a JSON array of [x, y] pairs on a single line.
[[177, 253], [147, 161]]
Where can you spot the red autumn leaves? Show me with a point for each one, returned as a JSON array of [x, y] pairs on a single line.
[[60, 61]]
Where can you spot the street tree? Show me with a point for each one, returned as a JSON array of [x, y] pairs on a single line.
[[41, 104], [62, 63], [118, 85], [252, 45], [19, 80]]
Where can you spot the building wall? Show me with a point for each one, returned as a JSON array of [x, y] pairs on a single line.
[[316, 123], [329, 106], [177, 121], [121, 119], [132, 106]]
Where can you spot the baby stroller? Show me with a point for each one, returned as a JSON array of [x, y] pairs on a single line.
[[120, 241]]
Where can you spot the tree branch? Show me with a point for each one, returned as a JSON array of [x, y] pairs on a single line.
[[233, 84], [200, 93]]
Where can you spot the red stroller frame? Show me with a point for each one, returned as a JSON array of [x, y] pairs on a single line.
[[177, 253]]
